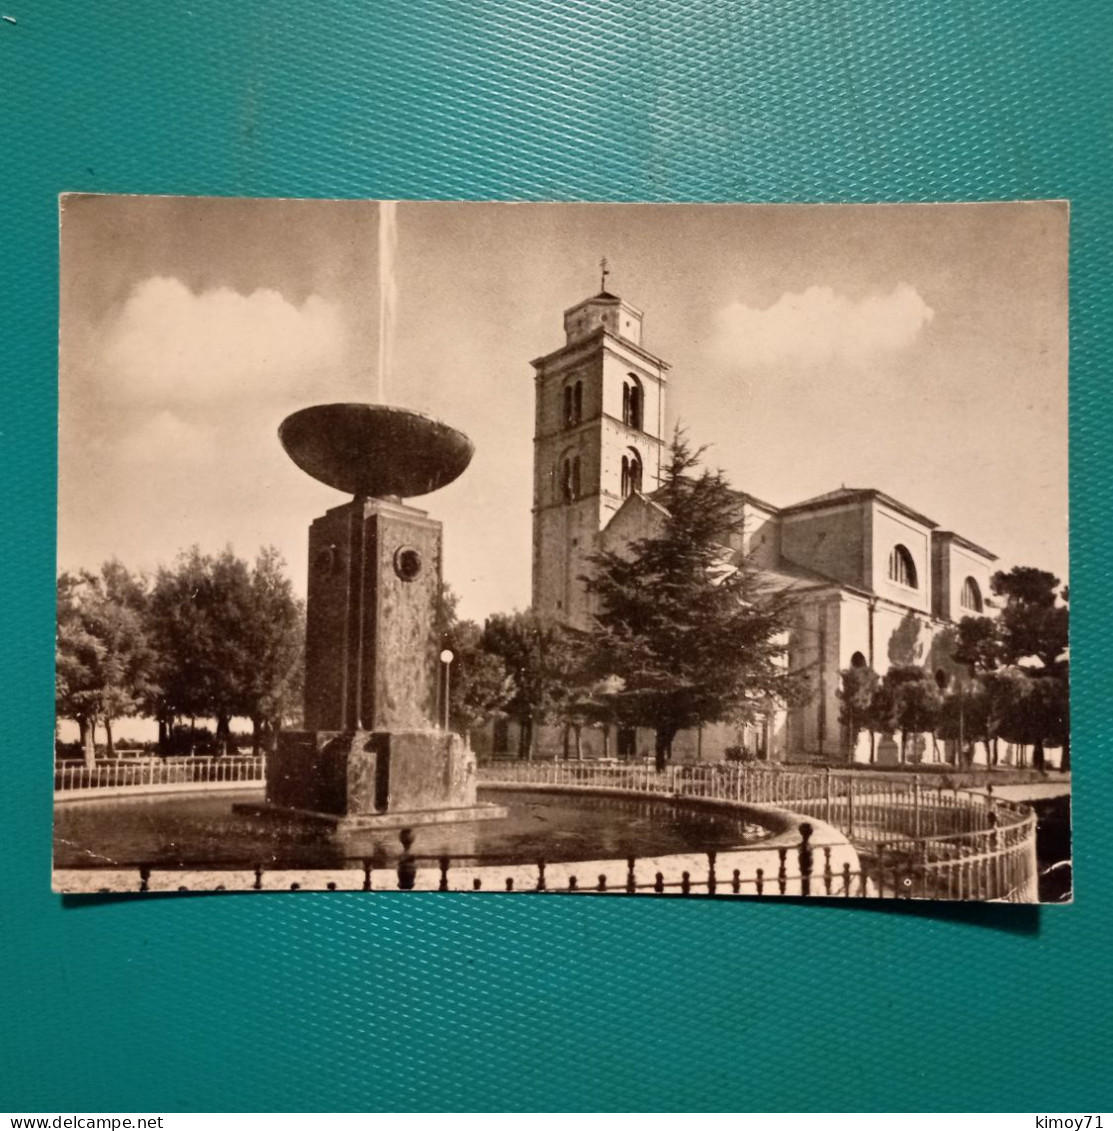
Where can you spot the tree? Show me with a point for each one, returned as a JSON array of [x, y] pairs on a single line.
[[978, 646], [964, 718], [909, 700], [1037, 714], [78, 656], [230, 639], [274, 681], [1035, 626], [858, 685], [970, 710], [104, 659], [1033, 623], [536, 653], [479, 685], [691, 635]]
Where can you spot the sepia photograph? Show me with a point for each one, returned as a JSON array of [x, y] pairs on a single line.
[[566, 549]]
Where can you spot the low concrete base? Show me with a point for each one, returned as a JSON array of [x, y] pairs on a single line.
[[357, 823], [374, 780]]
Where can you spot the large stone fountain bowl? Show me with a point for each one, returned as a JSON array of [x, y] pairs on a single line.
[[374, 450]]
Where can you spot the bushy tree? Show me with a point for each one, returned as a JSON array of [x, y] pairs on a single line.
[[77, 660], [538, 654], [857, 687], [1037, 714], [1034, 630], [274, 681], [104, 661], [964, 718], [230, 640], [690, 636], [479, 685], [978, 646], [907, 700]]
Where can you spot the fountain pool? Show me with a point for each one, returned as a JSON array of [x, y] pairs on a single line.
[[202, 831]]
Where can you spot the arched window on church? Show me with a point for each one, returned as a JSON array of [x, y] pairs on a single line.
[[632, 402], [575, 477], [573, 404], [631, 473], [971, 597], [902, 569], [564, 488]]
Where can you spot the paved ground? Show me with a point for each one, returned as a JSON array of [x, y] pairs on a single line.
[[1033, 791]]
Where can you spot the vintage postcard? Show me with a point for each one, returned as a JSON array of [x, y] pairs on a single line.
[[712, 550]]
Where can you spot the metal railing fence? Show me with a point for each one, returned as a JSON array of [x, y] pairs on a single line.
[[935, 841], [72, 777]]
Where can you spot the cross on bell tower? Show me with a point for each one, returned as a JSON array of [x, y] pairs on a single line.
[[597, 439]]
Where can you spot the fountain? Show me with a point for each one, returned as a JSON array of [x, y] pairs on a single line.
[[371, 754]]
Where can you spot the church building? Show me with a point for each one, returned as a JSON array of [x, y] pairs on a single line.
[[877, 582]]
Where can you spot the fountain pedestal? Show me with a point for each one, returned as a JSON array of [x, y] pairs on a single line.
[[371, 755]]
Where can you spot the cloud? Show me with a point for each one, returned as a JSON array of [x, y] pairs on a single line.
[[165, 438], [819, 325], [167, 345]]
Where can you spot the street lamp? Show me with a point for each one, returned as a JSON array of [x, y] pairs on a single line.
[[447, 656]]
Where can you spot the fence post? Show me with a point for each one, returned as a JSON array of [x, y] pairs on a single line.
[[827, 811], [407, 865], [805, 855], [916, 804], [850, 805]]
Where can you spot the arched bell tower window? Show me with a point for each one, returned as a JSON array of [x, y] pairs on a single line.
[[573, 403], [631, 473], [633, 402], [971, 597], [569, 488], [902, 569]]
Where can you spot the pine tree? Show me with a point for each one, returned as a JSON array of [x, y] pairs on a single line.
[[689, 635]]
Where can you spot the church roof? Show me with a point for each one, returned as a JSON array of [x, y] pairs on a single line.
[[857, 494], [786, 574], [966, 544]]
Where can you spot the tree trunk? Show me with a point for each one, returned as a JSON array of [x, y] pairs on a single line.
[[110, 746], [163, 734], [663, 737], [903, 747], [525, 739], [1064, 756], [223, 734], [1038, 761], [88, 750], [579, 732], [256, 736]]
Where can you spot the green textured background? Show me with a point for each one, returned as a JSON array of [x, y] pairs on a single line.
[[317, 1002]]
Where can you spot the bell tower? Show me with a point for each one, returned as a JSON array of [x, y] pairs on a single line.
[[600, 403]]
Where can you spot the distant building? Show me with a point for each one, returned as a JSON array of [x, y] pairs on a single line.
[[878, 583]]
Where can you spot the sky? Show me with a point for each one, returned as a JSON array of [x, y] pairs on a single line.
[[917, 349]]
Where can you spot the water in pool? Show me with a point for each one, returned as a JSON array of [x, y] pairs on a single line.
[[203, 831]]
